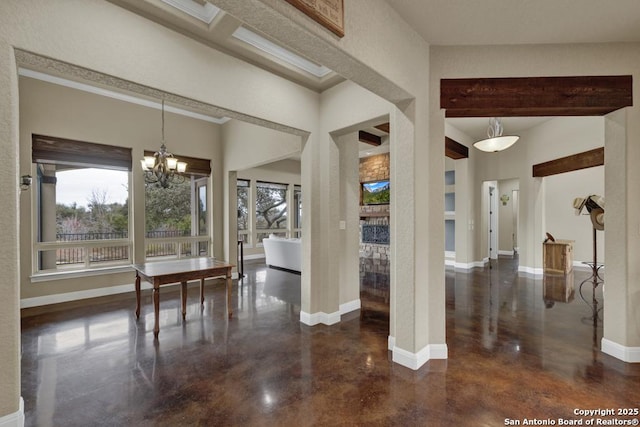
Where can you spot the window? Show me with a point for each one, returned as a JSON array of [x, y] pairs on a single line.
[[82, 205], [271, 210], [297, 214], [176, 218], [244, 221]]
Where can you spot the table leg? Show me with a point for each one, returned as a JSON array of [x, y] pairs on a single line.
[[156, 310], [229, 309], [202, 291], [137, 295], [183, 294]]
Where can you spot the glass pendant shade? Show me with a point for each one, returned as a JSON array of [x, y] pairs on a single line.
[[172, 163], [498, 143], [495, 141]]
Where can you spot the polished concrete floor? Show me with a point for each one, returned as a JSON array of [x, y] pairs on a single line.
[[518, 348]]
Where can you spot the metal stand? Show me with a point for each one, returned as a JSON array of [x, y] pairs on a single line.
[[241, 259], [595, 280]]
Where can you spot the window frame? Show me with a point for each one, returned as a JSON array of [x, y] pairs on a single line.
[[61, 151]]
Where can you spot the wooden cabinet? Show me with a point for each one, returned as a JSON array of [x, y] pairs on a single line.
[[557, 256]]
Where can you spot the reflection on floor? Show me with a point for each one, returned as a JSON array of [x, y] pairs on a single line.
[[511, 355]]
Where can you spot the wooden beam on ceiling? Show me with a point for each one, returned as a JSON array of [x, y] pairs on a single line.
[[535, 96], [384, 127], [369, 138], [584, 160], [455, 150]]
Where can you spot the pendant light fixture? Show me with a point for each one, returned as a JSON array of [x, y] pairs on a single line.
[[495, 141], [163, 168]]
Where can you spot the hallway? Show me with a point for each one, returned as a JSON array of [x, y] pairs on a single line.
[[91, 363]]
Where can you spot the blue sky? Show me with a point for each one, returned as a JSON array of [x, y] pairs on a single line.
[[376, 186]]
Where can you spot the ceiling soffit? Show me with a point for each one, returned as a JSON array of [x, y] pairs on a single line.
[[219, 34]]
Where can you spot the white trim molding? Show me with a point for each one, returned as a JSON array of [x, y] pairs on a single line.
[[391, 342], [507, 253], [469, 265], [416, 360], [88, 293], [626, 354], [350, 306], [320, 317], [16, 419], [534, 271]]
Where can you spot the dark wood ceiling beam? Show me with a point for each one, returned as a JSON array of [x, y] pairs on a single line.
[[535, 96], [384, 127], [584, 160], [369, 138], [455, 150]]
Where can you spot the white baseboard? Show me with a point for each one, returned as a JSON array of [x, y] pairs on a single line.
[[416, 360], [350, 306], [16, 419], [79, 295], [450, 254], [320, 317], [508, 253], [626, 354], [391, 342], [534, 271], [253, 256], [469, 265], [89, 293]]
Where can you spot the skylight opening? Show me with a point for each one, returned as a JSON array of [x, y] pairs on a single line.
[[204, 12], [279, 52]]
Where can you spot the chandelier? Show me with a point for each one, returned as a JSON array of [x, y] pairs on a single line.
[[495, 141], [163, 168]]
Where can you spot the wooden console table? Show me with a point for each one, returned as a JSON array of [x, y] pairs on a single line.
[[164, 272]]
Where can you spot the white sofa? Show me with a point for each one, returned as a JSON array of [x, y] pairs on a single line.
[[283, 253]]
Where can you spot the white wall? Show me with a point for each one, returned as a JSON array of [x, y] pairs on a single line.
[[560, 218], [248, 145]]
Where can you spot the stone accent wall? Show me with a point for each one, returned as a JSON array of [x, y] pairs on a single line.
[[374, 168]]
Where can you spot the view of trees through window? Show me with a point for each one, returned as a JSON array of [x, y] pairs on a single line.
[[87, 204], [169, 214], [244, 229], [271, 209]]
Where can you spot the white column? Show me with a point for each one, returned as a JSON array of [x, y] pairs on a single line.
[[349, 222], [621, 337]]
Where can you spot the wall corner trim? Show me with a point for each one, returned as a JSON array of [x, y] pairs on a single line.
[[626, 354], [416, 360], [16, 419], [320, 317], [350, 306], [391, 342]]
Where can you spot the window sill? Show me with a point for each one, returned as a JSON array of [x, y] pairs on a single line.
[[63, 275]]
